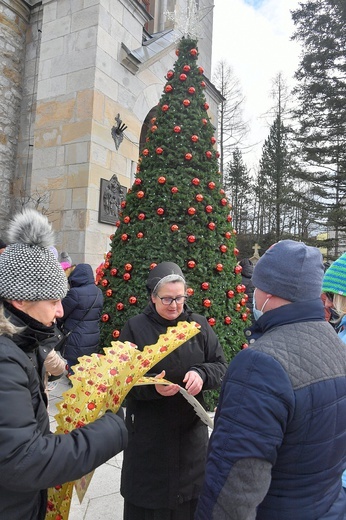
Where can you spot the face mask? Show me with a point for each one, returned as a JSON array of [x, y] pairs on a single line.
[[257, 313]]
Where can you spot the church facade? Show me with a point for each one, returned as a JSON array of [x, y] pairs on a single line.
[[80, 82]]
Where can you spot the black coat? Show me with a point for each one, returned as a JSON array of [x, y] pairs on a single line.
[[83, 294], [31, 458], [164, 463]]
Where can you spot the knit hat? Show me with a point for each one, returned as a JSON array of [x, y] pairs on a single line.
[[28, 267], [291, 270], [334, 280], [65, 265], [160, 272], [65, 257]]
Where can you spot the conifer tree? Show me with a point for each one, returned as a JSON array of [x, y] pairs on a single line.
[[177, 211]]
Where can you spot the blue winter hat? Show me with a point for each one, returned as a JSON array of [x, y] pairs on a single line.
[[334, 280], [291, 270]]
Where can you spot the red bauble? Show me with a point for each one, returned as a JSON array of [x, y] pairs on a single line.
[[209, 208], [228, 235], [168, 88], [191, 264], [109, 293], [208, 154], [151, 266], [138, 169], [161, 180], [206, 303], [213, 140], [124, 237], [236, 251], [244, 345], [141, 216], [229, 218], [105, 282], [159, 150], [186, 68], [188, 156], [194, 138], [244, 316], [105, 317], [223, 202], [191, 239], [153, 120], [227, 320], [183, 77], [109, 254], [123, 204], [116, 333], [212, 322], [145, 151], [223, 248], [238, 269], [191, 90], [201, 70], [237, 307], [120, 306], [127, 277], [199, 197], [140, 234], [177, 129], [153, 128], [164, 108], [219, 267], [174, 227], [132, 300], [205, 121], [111, 236], [206, 106], [191, 211], [186, 102], [138, 181], [211, 185], [190, 291], [243, 301], [126, 220], [217, 155], [177, 52], [195, 181], [170, 74], [222, 192], [230, 294], [194, 52], [205, 286], [140, 194], [128, 267], [211, 226], [203, 85], [174, 190], [160, 211], [114, 271], [239, 288], [106, 265]]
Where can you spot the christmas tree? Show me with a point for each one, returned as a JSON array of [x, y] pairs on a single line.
[[177, 211]]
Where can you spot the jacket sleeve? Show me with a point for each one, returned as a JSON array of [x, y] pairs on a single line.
[[54, 363], [31, 460], [214, 367], [256, 403]]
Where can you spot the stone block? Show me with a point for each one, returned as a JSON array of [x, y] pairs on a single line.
[[55, 28], [51, 87], [78, 175], [51, 112], [100, 155], [85, 77], [86, 17], [76, 132], [76, 153]]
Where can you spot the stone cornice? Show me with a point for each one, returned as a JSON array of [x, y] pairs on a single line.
[[20, 7]]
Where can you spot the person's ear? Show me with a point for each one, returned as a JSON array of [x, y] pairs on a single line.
[[17, 304]]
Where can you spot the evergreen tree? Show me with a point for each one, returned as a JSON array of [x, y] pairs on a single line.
[[238, 187], [177, 211]]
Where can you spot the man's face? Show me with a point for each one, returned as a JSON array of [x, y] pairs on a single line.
[[45, 311]]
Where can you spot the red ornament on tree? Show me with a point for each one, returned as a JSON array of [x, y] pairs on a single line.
[[168, 88], [183, 77], [151, 266], [191, 211], [120, 306], [127, 277], [209, 208], [191, 90], [211, 226], [114, 271], [170, 75], [211, 185], [140, 194], [212, 140], [186, 102], [188, 156], [228, 235], [126, 220], [186, 68], [217, 155], [201, 70], [223, 202], [174, 190], [236, 251], [145, 151], [206, 106], [194, 52], [227, 320], [229, 218], [141, 216], [191, 239], [244, 316], [244, 345], [132, 300], [205, 286], [190, 291], [191, 264], [128, 267], [116, 333], [105, 317], [219, 267], [124, 237], [240, 288], [238, 269], [199, 197], [230, 294], [205, 121], [109, 254], [161, 180], [138, 181], [207, 303], [109, 293], [160, 211], [177, 129], [153, 128], [164, 108], [208, 154], [195, 181], [140, 234], [194, 138], [174, 227], [203, 85], [159, 150], [212, 322], [223, 248]]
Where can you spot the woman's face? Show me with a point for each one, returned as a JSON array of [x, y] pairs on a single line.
[[169, 290]]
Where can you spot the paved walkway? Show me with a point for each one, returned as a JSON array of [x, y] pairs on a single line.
[[102, 500]]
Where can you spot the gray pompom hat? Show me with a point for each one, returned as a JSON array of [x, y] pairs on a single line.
[[291, 270], [28, 267]]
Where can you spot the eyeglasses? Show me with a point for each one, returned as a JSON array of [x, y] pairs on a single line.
[[166, 300]]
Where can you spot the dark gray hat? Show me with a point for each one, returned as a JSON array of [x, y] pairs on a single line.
[[291, 270], [28, 267], [161, 271]]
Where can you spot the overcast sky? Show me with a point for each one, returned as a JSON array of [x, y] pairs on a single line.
[[253, 37]]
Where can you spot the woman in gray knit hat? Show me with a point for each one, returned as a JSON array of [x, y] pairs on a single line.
[[32, 284]]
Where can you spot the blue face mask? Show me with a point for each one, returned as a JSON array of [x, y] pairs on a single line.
[[256, 312]]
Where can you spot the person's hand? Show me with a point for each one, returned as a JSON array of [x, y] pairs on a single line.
[[194, 382], [166, 390]]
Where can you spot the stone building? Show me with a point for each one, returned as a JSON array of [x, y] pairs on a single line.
[[71, 70]]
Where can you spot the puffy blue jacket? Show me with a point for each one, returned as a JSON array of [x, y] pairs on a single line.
[[83, 294], [279, 444]]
